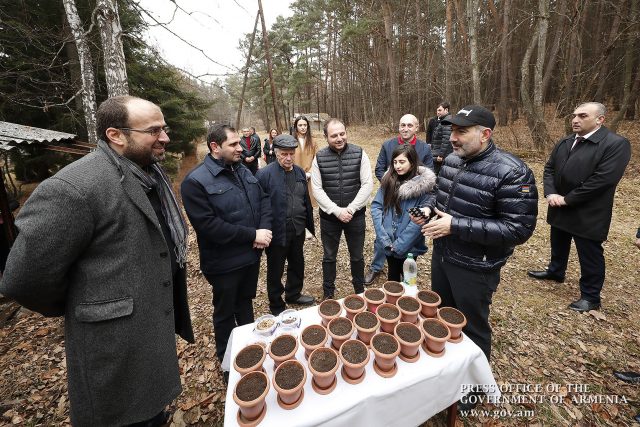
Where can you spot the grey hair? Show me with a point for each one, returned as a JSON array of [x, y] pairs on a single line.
[[601, 109]]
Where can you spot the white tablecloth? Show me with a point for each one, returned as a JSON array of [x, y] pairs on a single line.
[[417, 392]]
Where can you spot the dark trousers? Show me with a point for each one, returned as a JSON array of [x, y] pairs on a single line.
[[233, 293], [292, 252], [590, 255], [396, 266], [470, 292], [159, 420], [330, 232], [436, 166]]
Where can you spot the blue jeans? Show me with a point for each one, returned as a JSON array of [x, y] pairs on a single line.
[[377, 263]]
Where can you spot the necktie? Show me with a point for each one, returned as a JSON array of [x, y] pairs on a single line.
[[578, 141]]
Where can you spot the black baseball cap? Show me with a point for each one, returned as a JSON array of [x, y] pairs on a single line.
[[472, 115], [285, 141]]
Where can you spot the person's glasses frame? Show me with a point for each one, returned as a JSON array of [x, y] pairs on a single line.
[[154, 131]]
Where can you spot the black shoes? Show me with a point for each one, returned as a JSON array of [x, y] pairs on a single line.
[[628, 376], [370, 277], [302, 300], [583, 305], [545, 275], [327, 296]]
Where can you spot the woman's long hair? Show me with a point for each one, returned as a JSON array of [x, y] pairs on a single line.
[[309, 146], [391, 181], [271, 136]]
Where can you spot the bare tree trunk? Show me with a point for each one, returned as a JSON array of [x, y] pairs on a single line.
[[629, 60], [472, 12], [246, 71], [265, 39], [391, 63], [533, 109], [115, 69], [448, 53], [86, 70], [503, 116], [555, 47]]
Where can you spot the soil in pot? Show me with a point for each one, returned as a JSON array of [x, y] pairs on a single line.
[[367, 325], [283, 345], [323, 364], [389, 316], [429, 301], [283, 348], [329, 309], [249, 359], [409, 337], [289, 382], [393, 290], [249, 395], [386, 348], [314, 336], [436, 335], [340, 330], [409, 307], [373, 297], [455, 320], [355, 356], [354, 304]]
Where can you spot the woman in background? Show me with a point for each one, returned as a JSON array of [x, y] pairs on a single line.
[[269, 154], [405, 185], [304, 155]]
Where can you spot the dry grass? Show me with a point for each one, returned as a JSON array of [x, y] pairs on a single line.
[[536, 339]]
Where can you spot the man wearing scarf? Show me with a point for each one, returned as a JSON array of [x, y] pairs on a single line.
[[407, 130], [103, 244]]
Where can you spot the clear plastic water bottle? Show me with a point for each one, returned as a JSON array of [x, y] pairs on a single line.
[[410, 271]]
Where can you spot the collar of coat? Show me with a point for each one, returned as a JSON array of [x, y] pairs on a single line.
[[419, 185], [595, 138], [412, 142], [216, 166]]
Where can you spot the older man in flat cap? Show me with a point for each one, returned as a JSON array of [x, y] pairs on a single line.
[[286, 185]]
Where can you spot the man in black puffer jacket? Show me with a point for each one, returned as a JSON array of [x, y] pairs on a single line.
[[440, 145], [486, 204]]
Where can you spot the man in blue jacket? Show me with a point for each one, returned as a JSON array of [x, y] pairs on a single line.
[[408, 128], [286, 185], [231, 216]]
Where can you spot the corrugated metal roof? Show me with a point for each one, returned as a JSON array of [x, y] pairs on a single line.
[[11, 133]]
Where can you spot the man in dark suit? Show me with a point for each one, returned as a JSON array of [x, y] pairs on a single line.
[[580, 180], [251, 149], [103, 243]]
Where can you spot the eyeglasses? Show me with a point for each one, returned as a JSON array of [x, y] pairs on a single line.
[[155, 131]]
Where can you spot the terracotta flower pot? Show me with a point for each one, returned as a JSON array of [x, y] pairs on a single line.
[[283, 348], [249, 359], [354, 304], [249, 394], [373, 297], [340, 330], [384, 312], [354, 356], [409, 309], [429, 302], [385, 349], [455, 321], [312, 337], [329, 309], [436, 334], [393, 290], [410, 337], [288, 381], [366, 333], [323, 364]]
